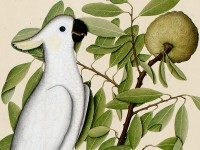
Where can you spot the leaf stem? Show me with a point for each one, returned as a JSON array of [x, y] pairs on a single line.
[[98, 73]]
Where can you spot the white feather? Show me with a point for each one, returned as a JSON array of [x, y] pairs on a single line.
[[28, 44]]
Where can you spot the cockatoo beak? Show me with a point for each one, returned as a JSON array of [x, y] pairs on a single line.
[[79, 30]]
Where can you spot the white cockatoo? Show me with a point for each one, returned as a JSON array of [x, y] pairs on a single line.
[[53, 116]]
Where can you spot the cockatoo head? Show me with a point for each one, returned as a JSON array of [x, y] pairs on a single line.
[[60, 31]]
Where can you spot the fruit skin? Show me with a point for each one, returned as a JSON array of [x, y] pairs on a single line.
[[177, 29]]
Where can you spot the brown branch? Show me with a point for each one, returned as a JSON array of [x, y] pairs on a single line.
[[147, 146], [160, 102], [98, 73], [167, 49]]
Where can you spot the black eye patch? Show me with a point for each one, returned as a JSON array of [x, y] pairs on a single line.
[[62, 29]]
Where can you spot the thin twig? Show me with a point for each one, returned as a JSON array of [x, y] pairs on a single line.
[[98, 73], [160, 102], [148, 146]]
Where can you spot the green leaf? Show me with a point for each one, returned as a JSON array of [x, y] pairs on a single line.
[[110, 142], [25, 34], [119, 1], [99, 103], [139, 43], [161, 74], [146, 119], [135, 133], [123, 39], [119, 114], [161, 119], [102, 10], [14, 112], [127, 83], [88, 122], [178, 145], [56, 10], [102, 27], [139, 95], [6, 96], [116, 104], [156, 7], [5, 143], [118, 55], [96, 49], [106, 41], [125, 60], [98, 131], [175, 71], [122, 147], [181, 123], [15, 76], [168, 144], [69, 12], [77, 46], [31, 84], [148, 70], [196, 101], [104, 120], [135, 29], [144, 57]]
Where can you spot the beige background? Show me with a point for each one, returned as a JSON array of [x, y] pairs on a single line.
[[18, 14]]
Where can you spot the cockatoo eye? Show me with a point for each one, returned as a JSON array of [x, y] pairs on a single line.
[[62, 29]]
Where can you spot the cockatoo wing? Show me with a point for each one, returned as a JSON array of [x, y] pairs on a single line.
[[44, 120], [87, 97]]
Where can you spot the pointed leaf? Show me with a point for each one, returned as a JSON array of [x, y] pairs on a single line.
[[5, 143], [25, 34], [127, 83], [106, 41], [69, 12], [104, 120], [144, 57], [110, 142], [168, 144], [99, 103], [178, 145], [6, 96], [135, 29], [146, 119], [139, 43], [98, 131], [122, 147], [116, 104], [196, 101], [123, 39], [125, 60], [102, 27], [15, 76], [102, 10], [88, 122], [96, 49], [135, 132], [161, 74], [119, 1], [148, 70], [175, 71], [118, 55], [77, 46], [139, 95], [161, 119], [181, 124], [31, 84], [56, 10], [14, 112], [156, 7], [119, 114]]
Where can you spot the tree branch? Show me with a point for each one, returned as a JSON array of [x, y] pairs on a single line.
[[160, 102], [167, 49], [98, 73]]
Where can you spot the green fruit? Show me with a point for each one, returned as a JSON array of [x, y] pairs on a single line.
[[175, 29]]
